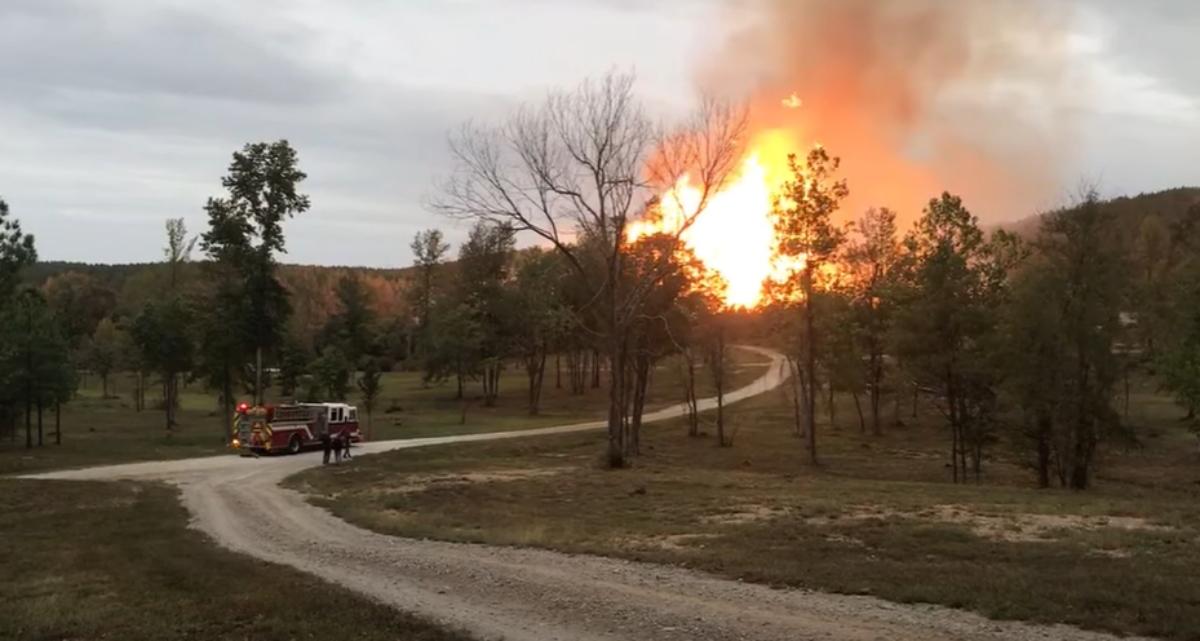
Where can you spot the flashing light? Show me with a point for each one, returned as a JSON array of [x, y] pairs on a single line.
[[236, 443], [242, 408]]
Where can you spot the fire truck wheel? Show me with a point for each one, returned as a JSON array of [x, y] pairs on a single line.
[[294, 444]]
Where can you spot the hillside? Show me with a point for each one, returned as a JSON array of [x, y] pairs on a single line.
[[1172, 206], [115, 275]]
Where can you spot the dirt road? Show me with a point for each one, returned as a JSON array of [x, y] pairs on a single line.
[[536, 595]]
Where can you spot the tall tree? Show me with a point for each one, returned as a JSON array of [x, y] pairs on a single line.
[[352, 327], [163, 333], [453, 344], [103, 352], [1082, 255], [956, 279], [872, 257], [35, 362], [575, 171], [808, 237], [246, 233], [539, 317], [16, 252], [293, 363], [484, 269], [178, 250], [429, 250], [332, 374], [369, 389]]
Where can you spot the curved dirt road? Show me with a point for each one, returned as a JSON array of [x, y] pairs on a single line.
[[514, 593]]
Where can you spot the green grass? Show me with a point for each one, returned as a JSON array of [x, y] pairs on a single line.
[[875, 518], [107, 430], [85, 561]]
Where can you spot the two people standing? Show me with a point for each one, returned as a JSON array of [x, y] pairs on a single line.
[[337, 444]]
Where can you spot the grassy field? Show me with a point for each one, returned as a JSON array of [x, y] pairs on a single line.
[[107, 430], [87, 561], [878, 517]]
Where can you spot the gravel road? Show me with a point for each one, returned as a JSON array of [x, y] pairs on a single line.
[[536, 595]]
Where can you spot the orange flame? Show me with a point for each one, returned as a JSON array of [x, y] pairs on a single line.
[[734, 235]]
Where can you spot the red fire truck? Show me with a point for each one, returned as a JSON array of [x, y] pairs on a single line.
[[292, 428]]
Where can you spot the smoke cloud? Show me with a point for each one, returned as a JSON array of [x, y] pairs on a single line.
[[916, 96]]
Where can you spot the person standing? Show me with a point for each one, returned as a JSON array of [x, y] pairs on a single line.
[[337, 448], [323, 430]]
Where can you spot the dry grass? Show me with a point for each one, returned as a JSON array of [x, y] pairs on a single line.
[[116, 561], [879, 517]]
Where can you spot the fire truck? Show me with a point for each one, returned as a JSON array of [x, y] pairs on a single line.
[[292, 428]]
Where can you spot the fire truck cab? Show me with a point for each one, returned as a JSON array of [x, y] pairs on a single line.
[[292, 428]]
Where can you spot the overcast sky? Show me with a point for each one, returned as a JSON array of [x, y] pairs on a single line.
[[118, 114]]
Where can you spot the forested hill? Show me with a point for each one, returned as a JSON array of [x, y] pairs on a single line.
[[115, 276], [1171, 208], [123, 290]]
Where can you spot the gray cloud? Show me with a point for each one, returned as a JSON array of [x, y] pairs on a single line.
[[119, 114], [83, 47]]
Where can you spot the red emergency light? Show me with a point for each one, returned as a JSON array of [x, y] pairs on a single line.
[[242, 408]]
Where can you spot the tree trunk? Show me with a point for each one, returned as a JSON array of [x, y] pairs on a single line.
[[541, 377], [491, 383], [227, 400], [29, 420], [39, 422], [577, 371], [58, 422], [1125, 374], [690, 391], [810, 365], [952, 406], [862, 421], [557, 370], [916, 396], [978, 459], [876, 390], [832, 406], [641, 385], [258, 390], [794, 368], [719, 380], [616, 405]]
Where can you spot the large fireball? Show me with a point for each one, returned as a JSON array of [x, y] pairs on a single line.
[[734, 235]]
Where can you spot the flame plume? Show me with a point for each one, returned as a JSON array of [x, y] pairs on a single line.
[[916, 97]]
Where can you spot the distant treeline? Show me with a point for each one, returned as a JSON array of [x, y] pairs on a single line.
[[122, 290]]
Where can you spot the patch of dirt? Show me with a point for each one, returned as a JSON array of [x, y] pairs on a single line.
[[674, 542], [423, 482], [1112, 554], [1017, 527], [1025, 527], [845, 540], [744, 514]]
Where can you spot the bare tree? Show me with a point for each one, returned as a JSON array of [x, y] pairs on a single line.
[[574, 171], [179, 248]]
